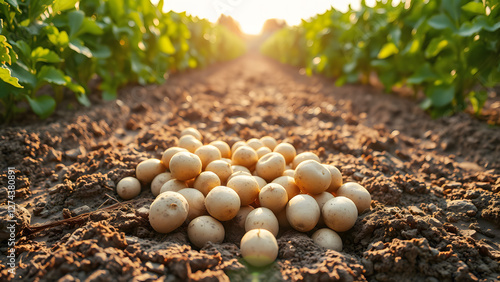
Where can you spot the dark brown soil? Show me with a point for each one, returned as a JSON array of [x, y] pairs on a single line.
[[435, 184]]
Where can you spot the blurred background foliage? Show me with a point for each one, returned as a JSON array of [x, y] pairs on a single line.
[[66, 43], [447, 49]]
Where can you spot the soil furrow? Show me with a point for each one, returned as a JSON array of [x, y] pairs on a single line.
[[435, 214]]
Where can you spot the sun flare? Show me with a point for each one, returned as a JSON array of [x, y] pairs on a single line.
[[252, 15]]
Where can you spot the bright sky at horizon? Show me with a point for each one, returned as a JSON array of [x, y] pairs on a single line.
[[251, 14]]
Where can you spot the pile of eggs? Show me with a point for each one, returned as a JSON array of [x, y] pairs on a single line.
[[260, 184]]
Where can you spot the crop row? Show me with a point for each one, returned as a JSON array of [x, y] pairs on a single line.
[[67, 43], [449, 49]]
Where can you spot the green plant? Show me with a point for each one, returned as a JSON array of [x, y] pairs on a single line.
[[30, 59], [447, 48], [66, 43]]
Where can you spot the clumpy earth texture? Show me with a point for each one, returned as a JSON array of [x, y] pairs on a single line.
[[435, 186]]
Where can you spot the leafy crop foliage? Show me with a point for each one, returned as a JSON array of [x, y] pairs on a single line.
[[450, 49], [66, 43]]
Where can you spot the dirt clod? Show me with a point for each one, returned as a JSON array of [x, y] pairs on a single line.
[[434, 216]]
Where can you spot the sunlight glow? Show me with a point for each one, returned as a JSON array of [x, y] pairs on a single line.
[[251, 14]]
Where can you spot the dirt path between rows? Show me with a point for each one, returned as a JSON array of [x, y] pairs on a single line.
[[435, 214]]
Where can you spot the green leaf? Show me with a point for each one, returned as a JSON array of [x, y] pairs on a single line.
[[37, 7], [13, 3], [340, 81], [23, 47], [388, 79], [22, 73], [6, 76], [51, 75], [5, 49], [165, 45], [381, 64], [452, 8], [412, 47], [160, 5], [426, 104], [102, 52], [124, 30], [483, 22], [43, 105], [469, 28], [387, 50], [63, 5], [77, 46], [424, 73], [116, 9], [78, 90], [493, 27], [440, 22], [83, 99], [192, 63], [395, 35], [475, 8], [109, 89], [441, 95], [435, 46], [349, 67], [109, 95], [90, 26], [59, 39], [41, 54], [477, 99], [75, 87], [75, 20]]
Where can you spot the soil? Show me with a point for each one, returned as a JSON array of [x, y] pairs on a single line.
[[435, 185]]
